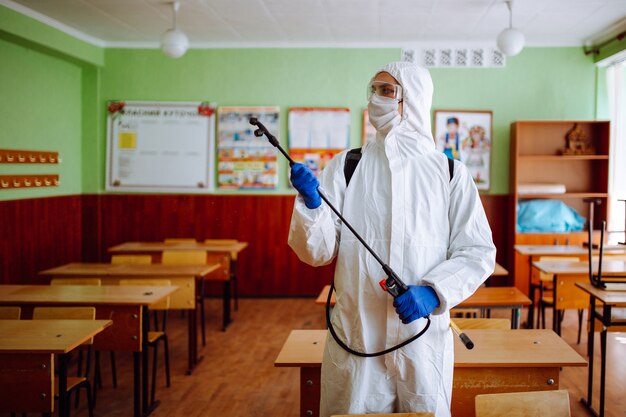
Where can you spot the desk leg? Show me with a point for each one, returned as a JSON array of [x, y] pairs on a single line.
[[63, 403], [310, 389], [530, 322], [137, 384], [226, 301], [192, 336], [590, 339], [145, 325], [516, 313], [235, 283], [605, 313]]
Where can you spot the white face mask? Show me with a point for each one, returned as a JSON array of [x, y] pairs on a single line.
[[383, 113]]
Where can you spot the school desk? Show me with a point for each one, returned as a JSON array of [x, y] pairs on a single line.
[[565, 276], [155, 249], [185, 277], [612, 313], [27, 349], [533, 252], [483, 298], [501, 361], [127, 306]]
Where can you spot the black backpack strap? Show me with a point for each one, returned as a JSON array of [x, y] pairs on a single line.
[[451, 168], [352, 160]]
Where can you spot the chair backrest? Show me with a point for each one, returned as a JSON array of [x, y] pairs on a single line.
[[547, 277], [485, 324], [180, 240], [76, 281], [220, 241], [131, 259], [65, 313], [184, 257], [415, 414], [10, 313], [147, 282], [524, 404]]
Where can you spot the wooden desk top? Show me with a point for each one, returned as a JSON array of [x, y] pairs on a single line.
[[143, 247], [614, 295], [483, 297], [82, 295], [493, 348], [128, 270], [47, 336], [496, 296], [556, 250], [581, 268]]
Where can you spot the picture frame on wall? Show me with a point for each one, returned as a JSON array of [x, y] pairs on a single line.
[[467, 136]]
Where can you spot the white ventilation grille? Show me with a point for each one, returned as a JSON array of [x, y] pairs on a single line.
[[455, 57]]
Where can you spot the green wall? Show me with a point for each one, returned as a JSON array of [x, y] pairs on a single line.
[[41, 109], [540, 83], [55, 87]]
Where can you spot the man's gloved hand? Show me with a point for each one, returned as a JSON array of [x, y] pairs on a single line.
[[305, 182], [419, 301]]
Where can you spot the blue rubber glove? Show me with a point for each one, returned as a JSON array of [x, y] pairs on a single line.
[[419, 301], [305, 182]]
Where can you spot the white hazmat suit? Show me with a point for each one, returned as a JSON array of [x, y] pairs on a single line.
[[430, 230]]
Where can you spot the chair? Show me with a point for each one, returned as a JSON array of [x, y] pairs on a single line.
[[190, 257], [10, 313], [158, 334], [485, 324], [233, 258], [545, 285], [131, 259], [74, 384], [76, 281], [523, 404], [180, 240], [79, 366]]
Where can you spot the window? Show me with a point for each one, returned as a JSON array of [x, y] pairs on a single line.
[[616, 88]]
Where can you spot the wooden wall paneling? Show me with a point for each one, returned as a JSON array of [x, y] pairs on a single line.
[[37, 234]]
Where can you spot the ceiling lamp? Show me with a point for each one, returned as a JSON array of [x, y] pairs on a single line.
[[174, 42], [510, 41]]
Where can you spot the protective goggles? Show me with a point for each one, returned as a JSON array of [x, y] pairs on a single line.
[[384, 89]]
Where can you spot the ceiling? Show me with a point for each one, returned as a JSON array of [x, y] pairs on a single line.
[[330, 22]]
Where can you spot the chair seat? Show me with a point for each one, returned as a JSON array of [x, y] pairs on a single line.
[[72, 382], [154, 336], [547, 300]]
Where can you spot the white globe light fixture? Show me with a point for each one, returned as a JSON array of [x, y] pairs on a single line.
[[510, 41], [174, 42]]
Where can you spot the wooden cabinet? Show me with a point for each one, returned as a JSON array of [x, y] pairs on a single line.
[[537, 158]]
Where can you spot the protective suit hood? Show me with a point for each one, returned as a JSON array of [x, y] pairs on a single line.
[[417, 89]]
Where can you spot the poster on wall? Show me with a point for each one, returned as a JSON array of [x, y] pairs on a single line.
[[316, 135], [466, 135], [244, 160], [160, 146]]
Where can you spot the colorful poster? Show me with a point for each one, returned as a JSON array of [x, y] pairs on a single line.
[[244, 160], [316, 135]]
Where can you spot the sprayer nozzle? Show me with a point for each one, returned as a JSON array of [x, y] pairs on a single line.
[[254, 121]]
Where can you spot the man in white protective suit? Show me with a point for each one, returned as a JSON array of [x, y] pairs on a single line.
[[429, 227]]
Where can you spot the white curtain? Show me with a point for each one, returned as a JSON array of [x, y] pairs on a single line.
[[616, 87]]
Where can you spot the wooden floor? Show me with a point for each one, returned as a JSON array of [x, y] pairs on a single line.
[[237, 377]]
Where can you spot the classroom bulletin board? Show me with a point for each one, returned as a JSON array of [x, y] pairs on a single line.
[[317, 134], [244, 160], [160, 146]]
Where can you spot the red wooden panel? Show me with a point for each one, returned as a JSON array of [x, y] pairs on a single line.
[[47, 232], [37, 234]]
